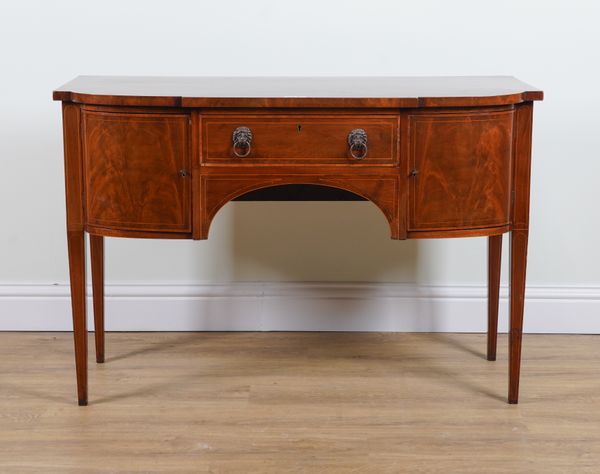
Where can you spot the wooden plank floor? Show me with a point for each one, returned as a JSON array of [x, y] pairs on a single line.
[[299, 402]]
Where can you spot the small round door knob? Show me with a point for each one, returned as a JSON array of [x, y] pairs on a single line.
[[357, 144], [242, 142]]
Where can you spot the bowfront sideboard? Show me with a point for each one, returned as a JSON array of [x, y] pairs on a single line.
[[157, 157]]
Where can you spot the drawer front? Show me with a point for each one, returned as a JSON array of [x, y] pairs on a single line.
[[288, 139]]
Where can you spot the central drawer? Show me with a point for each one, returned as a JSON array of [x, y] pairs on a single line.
[[299, 138]]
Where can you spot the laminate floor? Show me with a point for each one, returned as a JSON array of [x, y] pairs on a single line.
[[299, 402]]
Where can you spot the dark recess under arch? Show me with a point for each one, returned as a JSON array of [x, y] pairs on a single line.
[[299, 192]]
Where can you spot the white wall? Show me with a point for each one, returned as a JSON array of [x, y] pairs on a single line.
[[552, 45]]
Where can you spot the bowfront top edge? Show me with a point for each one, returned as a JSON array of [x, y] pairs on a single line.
[[212, 91]]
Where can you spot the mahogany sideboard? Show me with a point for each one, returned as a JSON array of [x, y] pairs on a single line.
[[157, 157]]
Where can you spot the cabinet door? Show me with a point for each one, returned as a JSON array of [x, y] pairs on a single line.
[[461, 163], [134, 167]]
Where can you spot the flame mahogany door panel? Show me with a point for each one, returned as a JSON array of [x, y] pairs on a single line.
[[137, 170], [460, 165]]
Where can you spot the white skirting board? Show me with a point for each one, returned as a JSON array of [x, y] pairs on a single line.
[[300, 307]]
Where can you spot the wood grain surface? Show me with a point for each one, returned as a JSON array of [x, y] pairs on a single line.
[[133, 164], [97, 264], [300, 403], [427, 91], [300, 138], [461, 166], [449, 157], [494, 271], [220, 187]]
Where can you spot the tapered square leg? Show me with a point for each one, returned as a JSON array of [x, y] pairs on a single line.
[[494, 263], [76, 245], [97, 258], [518, 265]]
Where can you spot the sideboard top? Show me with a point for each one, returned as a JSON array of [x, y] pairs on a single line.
[[212, 91]]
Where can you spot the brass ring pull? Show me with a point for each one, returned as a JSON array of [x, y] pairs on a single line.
[[242, 142], [357, 143]]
